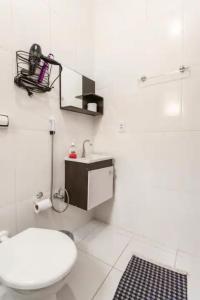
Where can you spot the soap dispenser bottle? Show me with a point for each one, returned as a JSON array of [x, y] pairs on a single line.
[[72, 151]]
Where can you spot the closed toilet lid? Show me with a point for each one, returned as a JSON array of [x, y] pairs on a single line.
[[36, 258]]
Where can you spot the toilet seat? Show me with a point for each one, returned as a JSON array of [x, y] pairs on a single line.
[[36, 258]]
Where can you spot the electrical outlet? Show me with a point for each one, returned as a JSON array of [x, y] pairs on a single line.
[[122, 126]]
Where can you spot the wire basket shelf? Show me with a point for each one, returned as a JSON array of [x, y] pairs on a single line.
[[32, 82]]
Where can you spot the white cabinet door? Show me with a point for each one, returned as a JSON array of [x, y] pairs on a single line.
[[100, 186]]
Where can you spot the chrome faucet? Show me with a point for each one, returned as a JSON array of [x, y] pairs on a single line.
[[83, 151]]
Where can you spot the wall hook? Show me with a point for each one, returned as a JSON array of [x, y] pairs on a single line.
[[183, 69], [143, 78]]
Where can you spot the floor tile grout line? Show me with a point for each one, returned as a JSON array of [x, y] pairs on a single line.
[[136, 253], [123, 251], [101, 285], [175, 259], [189, 254], [175, 265], [158, 245], [97, 258], [110, 265], [136, 236], [144, 240], [148, 240]]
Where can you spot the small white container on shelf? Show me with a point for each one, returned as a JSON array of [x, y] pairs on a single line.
[[92, 107], [4, 121]]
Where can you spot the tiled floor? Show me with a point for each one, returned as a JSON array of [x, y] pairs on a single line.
[[104, 252]]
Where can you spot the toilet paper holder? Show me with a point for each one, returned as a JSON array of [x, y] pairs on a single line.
[[4, 120]]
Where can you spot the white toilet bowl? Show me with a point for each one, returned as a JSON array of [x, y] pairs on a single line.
[[35, 264]]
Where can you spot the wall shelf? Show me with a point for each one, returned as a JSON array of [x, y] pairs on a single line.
[[92, 98], [88, 96], [81, 110]]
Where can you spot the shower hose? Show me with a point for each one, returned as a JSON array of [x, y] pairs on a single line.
[[52, 133]]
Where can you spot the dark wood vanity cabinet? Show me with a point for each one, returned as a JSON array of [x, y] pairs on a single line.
[[89, 184]]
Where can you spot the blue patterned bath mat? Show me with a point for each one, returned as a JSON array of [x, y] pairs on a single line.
[[144, 280]]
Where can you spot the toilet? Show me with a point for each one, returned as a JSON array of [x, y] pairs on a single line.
[[35, 263]]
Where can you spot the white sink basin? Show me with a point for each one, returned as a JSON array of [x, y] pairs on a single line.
[[90, 159]]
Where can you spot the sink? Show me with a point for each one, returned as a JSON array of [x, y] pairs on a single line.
[[90, 159]]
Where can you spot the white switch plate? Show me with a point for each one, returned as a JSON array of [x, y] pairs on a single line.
[[122, 126]]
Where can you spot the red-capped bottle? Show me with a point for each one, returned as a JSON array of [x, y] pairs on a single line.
[[72, 151]]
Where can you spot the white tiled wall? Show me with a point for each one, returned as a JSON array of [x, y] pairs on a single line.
[[158, 157], [60, 28]]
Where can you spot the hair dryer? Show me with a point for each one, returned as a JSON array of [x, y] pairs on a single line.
[[35, 54]]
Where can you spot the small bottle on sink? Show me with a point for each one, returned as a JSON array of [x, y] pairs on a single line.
[[72, 151]]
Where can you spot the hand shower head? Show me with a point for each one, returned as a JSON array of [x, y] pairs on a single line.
[[52, 125]]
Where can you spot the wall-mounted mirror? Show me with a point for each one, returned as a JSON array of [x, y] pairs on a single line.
[[71, 88], [78, 94]]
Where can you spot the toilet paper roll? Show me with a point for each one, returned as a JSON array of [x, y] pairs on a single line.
[[42, 205]]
